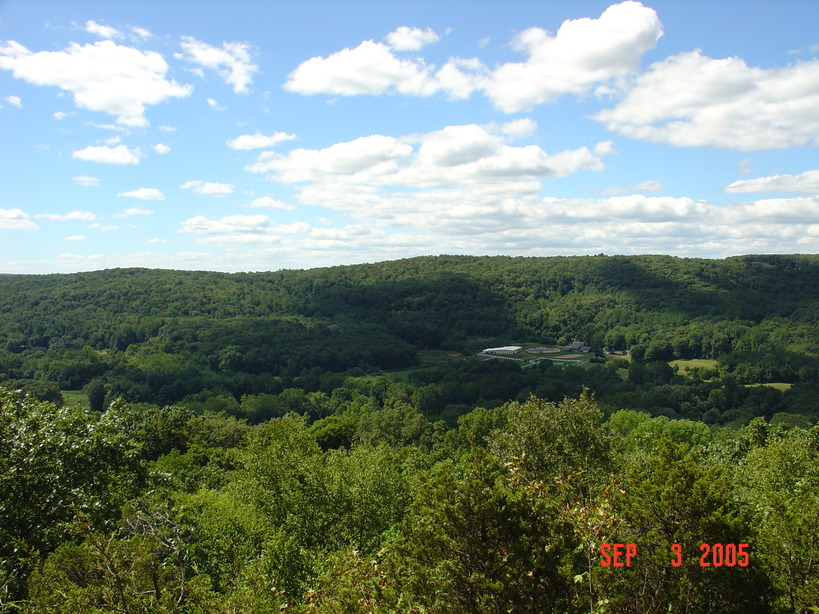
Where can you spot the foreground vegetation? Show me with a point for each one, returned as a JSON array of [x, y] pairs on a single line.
[[327, 440], [376, 509]]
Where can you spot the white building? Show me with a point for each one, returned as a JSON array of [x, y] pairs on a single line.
[[506, 350]]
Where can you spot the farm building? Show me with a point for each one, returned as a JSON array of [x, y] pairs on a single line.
[[577, 346], [542, 350], [507, 350]]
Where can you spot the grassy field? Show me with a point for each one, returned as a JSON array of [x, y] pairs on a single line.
[[75, 398], [428, 358], [778, 385], [696, 363]]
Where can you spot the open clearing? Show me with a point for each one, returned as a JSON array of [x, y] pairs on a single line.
[[778, 385], [696, 363]]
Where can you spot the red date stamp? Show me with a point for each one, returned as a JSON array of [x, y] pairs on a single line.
[[711, 555]]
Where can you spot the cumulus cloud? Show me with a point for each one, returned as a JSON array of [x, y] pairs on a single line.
[[77, 215], [74, 238], [454, 156], [691, 100], [86, 181], [134, 211], [114, 79], [15, 219], [370, 68], [232, 61], [100, 30], [214, 104], [208, 188], [108, 155], [266, 202], [104, 227], [259, 140], [79, 261], [652, 185], [161, 148], [14, 101], [232, 224], [236, 230], [585, 55], [807, 182], [481, 221], [141, 33], [411, 39], [144, 194]]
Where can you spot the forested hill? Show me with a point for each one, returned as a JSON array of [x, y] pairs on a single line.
[[70, 329], [429, 302]]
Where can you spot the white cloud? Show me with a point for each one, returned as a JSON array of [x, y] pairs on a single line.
[[144, 194], [411, 39], [266, 202], [61, 115], [371, 154], [79, 261], [454, 156], [370, 68], [108, 155], [102, 31], [214, 104], [156, 240], [478, 221], [232, 224], [75, 238], [652, 185], [121, 81], [690, 100], [86, 181], [585, 55], [167, 129], [104, 227], [161, 148], [14, 101], [232, 61], [807, 182], [85, 216], [141, 33], [236, 230], [208, 188], [745, 167], [15, 219], [259, 140], [134, 211]]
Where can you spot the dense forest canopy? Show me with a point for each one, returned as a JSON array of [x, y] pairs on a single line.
[[332, 440], [161, 336]]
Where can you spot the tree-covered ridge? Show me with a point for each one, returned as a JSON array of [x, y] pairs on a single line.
[[162, 336], [550, 298]]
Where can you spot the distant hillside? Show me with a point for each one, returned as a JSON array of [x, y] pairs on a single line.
[[378, 315]]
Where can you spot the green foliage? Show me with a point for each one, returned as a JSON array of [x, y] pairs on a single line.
[[558, 440], [142, 567], [56, 462], [671, 497], [781, 481], [473, 542]]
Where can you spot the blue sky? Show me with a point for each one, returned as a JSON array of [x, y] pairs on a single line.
[[258, 135]]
